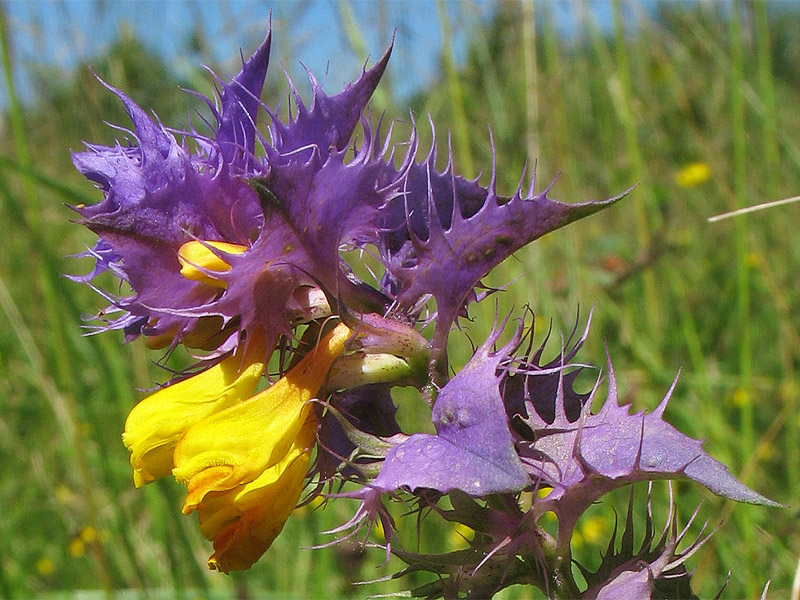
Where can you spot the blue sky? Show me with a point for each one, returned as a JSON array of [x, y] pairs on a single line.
[[63, 32]]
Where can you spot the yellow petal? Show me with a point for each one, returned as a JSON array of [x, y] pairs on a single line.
[[243, 542], [215, 514], [197, 258], [244, 440], [246, 520], [155, 425]]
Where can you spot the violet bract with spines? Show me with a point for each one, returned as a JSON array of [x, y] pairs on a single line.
[[231, 244], [473, 450]]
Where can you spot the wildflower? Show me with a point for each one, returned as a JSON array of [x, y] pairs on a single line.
[[754, 260], [64, 494], [229, 240], [45, 566], [89, 534], [245, 520], [593, 529], [740, 398], [243, 459], [77, 547], [693, 174]]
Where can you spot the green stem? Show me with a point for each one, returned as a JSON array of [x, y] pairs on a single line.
[[498, 102], [170, 501], [531, 85], [15, 114], [738, 131], [766, 87], [691, 336], [456, 93], [771, 165], [646, 211]]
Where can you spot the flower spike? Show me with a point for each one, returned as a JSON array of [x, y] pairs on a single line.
[[248, 248]]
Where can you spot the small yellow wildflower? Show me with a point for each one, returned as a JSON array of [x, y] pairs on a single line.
[[45, 566], [765, 451], [89, 534], [740, 398], [693, 174], [593, 530], [77, 547], [789, 389], [753, 260], [64, 494]]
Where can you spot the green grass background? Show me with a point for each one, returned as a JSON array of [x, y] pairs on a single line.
[[712, 83]]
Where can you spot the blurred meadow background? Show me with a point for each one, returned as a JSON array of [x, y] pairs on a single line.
[[696, 102]]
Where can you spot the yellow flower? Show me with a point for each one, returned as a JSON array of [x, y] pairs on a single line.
[[77, 547], [88, 534], [244, 466], [155, 425], [244, 521], [199, 261], [45, 566], [740, 398], [64, 494], [243, 459], [693, 174], [237, 444], [593, 530]]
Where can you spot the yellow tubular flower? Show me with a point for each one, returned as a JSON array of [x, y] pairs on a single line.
[[155, 425], [244, 521], [197, 258], [244, 466]]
